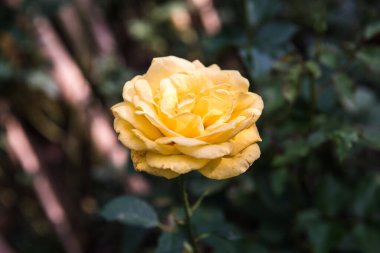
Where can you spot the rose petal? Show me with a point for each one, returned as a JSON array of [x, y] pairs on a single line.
[[244, 139], [178, 163], [125, 111], [163, 67], [249, 117], [246, 101], [144, 91], [198, 64], [139, 163], [231, 77], [185, 124], [183, 141], [211, 151], [126, 136], [214, 67], [129, 89], [147, 111], [212, 117], [186, 104], [168, 98], [237, 80], [216, 105], [154, 146], [224, 168], [224, 131], [213, 101], [190, 82]]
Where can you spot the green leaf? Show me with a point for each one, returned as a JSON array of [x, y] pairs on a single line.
[[271, 232], [272, 95], [259, 10], [291, 88], [257, 248], [371, 135], [207, 220], [274, 34], [170, 242], [329, 59], [331, 196], [356, 101], [375, 115], [5, 70], [220, 245], [368, 238], [295, 149], [314, 69], [279, 179], [131, 211], [364, 99], [227, 232], [306, 218], [212, 221], [344, 86], [365, 197], [198, 186], [132, 238], [370, 56], [360, 100], [319, 237], [347, 243], [323, 236], [317, 138], [327, 98], [262, 63], [258, 62], [372, 30], [344, 140]]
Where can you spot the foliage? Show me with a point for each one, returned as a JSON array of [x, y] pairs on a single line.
[[131, 211]]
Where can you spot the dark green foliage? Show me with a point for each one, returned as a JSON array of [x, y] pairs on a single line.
[[170, 242], [130, 211]]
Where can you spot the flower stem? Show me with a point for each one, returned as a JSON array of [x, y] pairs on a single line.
[[188, 214]]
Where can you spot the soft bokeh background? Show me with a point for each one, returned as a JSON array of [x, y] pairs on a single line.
[[316, 64]]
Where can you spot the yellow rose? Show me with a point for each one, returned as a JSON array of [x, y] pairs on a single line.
[[182, 116]]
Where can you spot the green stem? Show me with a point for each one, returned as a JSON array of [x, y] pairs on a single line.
[[188, 214], [199, 201]]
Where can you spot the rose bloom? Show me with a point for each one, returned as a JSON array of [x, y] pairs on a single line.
[[182, 116]]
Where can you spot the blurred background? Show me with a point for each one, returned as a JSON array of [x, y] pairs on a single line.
[[315, 63]]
